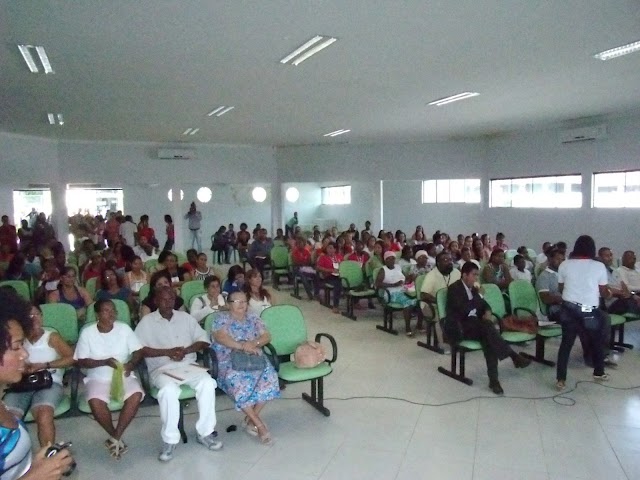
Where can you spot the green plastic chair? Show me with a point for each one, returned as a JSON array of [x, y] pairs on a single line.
[[526, 302], [191, 289], [63, 318], [509, 255], [20, 286], [150, 265], [286, 325], [182, 257], [354, 285], [144, 291], [388, 307], [532, 253], [432, 342], [92, 286], [123, 314], [493, 296], [279, 259], [208, 322], [459, 349]]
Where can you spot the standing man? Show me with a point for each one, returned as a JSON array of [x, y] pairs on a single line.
[[8, 235], [291, 225], [194, 217]]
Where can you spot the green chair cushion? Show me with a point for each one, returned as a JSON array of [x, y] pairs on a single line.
[[631, 317], [470, 345], [281, 271], [549, 332], [361, 293], [290, 373], [517, 337], [617, 319], [83, 405], [186, 392], [63, 407]]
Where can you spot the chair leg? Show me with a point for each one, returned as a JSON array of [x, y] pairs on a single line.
[[316, 399], [183, 434], [619, 345], [296, 288], [276, 281], [327, 297], [432, 339], [350, 304], [539, 356], [387, 322], [453, 373]]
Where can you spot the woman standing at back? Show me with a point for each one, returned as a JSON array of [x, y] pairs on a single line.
[[582, 281]]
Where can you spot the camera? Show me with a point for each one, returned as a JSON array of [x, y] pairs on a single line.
[[55, 448]]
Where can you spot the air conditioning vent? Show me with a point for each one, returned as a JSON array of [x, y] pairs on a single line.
[[584, 134], [43, 186], [88, 186], [176, 154]]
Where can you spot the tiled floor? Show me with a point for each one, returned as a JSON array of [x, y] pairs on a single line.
[[466, 433]]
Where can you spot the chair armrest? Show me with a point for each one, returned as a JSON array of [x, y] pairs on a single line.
[[345, 283], [270, 351], [143, 373], [75, 382], [517, 309], [210, 361], [385, 297], [431, 306], [334, 345]]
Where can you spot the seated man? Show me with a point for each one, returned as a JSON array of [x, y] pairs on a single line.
[[629, 279], [440, 277], [144, 249], [260, 251], [547, 285], [519, 270], [469, 318], [171, 339]]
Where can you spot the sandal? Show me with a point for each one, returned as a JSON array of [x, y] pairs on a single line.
[[265, 436], [116, 448], [560, 385], [409, 333], [249, 427]]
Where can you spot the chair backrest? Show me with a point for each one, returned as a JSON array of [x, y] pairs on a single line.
[[123, 314], [493, 296], [441, 303], [522, 294], [374, 275], [63, 318], [150, 265], [191, 289], [21, 287], [91, 286], [182, 258], [419, 282], [279, 257], [532, 254], [351, 274], [286, 325], [544, 308], [509, 254], [144, 291], [208, 322]]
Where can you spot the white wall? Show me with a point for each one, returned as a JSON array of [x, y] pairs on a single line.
[[306, 205]]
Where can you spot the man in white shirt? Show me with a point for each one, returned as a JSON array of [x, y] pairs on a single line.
[[144, 249], [629, 279], [171, 339], [440, 277], [127, 231]]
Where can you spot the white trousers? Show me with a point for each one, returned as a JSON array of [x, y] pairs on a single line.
[[168, 394]]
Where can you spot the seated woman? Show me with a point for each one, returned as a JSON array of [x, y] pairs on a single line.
[[465, 256], [406, 258], [327, 268], [375, 261], [234, 281], [69, 292], [479, 253], [49, 281], [112, 288], [15, 270], [303, 264], [486, 244], [500, 243], [496, 271], [369, 244], [258, 297], [359, 255], [417, 238], [16, 459], [400, 239], [390, 277], [220, 244], [241, 331], [454, 249], [93, 269], [209, 302], [160, 279], [192, 260], [202, 270], [102, 347], [47, 350], [169, 261], [136, 277], [118, 258]]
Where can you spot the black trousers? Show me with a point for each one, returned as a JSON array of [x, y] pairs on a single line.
[[493, 345]]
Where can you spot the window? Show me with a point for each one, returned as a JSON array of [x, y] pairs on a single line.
[[616, 189], [336, 195], [537, 192], [451, 191]]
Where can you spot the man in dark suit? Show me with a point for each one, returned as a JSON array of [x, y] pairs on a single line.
[[469, 318]]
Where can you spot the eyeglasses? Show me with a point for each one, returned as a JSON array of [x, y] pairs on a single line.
[[238, 301], [33, 315]]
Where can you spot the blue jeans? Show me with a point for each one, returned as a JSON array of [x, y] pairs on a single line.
[[571, 320]]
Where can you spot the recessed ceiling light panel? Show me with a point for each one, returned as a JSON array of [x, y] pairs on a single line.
[[336, 133], [453, 98], [55, 118], [311, 47], [27, 54], [618, 51]]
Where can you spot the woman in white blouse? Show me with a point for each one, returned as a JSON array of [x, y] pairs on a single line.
[[258, 297], [209, 302]]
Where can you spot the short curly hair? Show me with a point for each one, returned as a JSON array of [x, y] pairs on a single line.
[[13, 307]]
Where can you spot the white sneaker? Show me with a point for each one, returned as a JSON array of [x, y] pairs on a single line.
[[167, 452], [209, 441]]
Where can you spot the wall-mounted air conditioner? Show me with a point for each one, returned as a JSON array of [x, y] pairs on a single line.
[[583, 134], [176, 154]]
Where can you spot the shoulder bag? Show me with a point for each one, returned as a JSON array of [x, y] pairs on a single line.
[[33, 382]]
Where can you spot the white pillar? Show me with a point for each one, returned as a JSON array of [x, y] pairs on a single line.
[[59, 215], [178, 210], [277, 196]]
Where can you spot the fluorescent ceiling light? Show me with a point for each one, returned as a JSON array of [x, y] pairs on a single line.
[[53, 118], [219, 114], [221, 110], [194, 131], [213, 112], [336, 133], [25, 51], [618, 51], [453, 98], [308, 49], [187, 131]]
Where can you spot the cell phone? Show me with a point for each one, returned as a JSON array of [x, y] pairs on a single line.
[[55, 448]]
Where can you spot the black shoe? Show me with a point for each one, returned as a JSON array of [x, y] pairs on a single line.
[[521, 362], [496, 387]]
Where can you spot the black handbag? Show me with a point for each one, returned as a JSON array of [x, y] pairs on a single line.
[[33, 382], [246, 362]]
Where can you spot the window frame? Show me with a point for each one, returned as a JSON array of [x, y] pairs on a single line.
[[324, 193], [533, 186], [619, 200], [431, 193]]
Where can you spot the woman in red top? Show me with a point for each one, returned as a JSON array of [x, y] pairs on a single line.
[[144, 230], [359, 255], [390, 244], [302, 265], [327, 268], [171, 234]]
